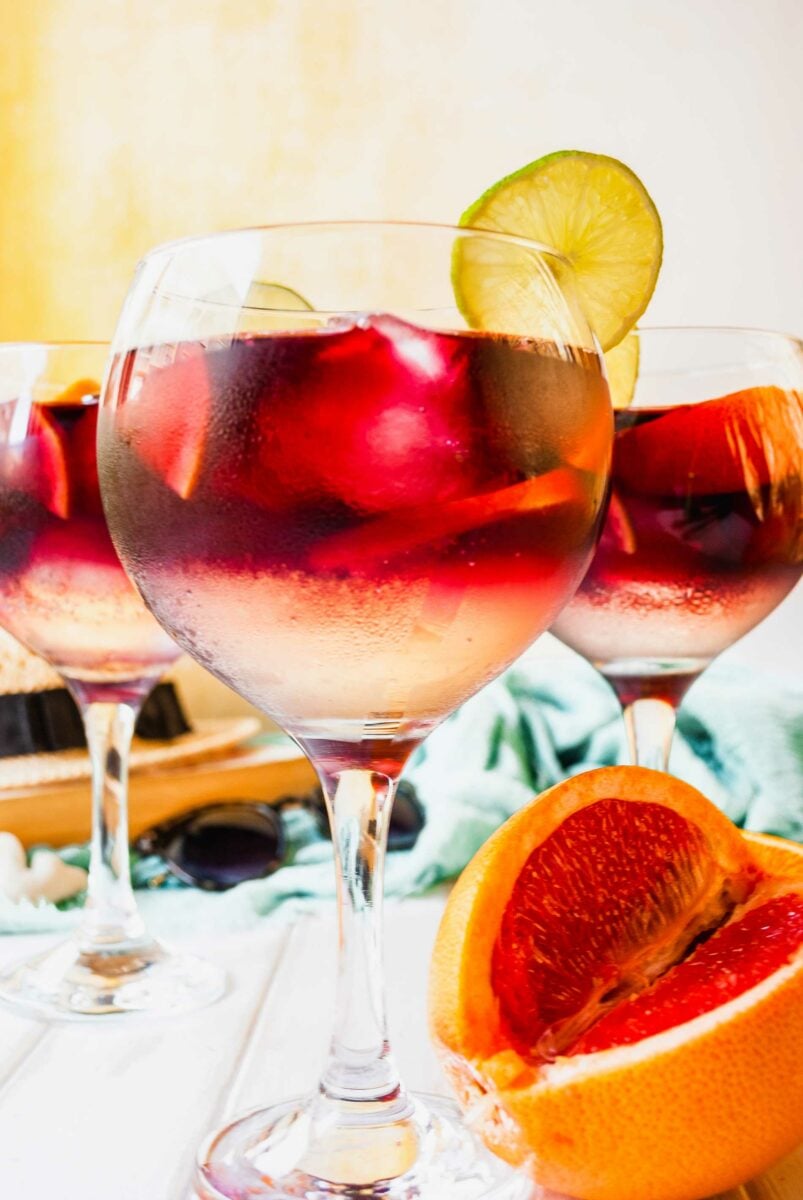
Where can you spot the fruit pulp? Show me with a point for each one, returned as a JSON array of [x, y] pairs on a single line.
[[648, 891], [356, 527], [702, 539], [63, 590], [618, 948], [738, 956]]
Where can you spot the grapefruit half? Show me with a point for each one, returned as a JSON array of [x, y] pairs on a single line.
[[617, 991]]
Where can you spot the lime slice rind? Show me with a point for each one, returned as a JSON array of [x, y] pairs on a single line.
[[594, 211]]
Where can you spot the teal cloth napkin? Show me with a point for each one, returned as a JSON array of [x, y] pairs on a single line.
[[739, 740]]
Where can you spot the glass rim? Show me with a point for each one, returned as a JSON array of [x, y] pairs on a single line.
[[715, 330], [171, 247]]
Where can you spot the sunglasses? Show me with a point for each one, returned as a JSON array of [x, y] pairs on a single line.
[[218, 846]]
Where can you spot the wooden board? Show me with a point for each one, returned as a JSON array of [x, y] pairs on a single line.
[[60, 813]]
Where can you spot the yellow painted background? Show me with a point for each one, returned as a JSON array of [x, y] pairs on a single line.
[[127, 122]]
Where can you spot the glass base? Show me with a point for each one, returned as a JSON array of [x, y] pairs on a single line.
[[71, 982], [666, 679], [317, 1148]]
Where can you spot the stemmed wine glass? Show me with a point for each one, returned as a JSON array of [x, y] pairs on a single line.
[[704, 533], [354, 469], [65, 595]]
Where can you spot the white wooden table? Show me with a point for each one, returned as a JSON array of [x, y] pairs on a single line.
[[115, 1110]]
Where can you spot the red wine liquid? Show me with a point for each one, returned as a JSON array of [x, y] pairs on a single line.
[[63, 590], [358, 527], [703, 538]]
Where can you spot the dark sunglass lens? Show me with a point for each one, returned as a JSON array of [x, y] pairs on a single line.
[[407, 819], [225, 846]]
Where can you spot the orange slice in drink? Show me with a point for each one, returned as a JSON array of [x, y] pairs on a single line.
[[411, 529], [740, 442], [167, 421]]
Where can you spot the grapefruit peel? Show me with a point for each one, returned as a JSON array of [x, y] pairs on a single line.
[[680, 1114]]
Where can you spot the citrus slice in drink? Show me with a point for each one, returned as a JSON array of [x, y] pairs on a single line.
[[61, 472], [170, 419], [745, 441], [273, 307], [617, 991], [397, 533], [83, 391], [43, 463], [167, 423], [276, 297], [33, 459], [621, 367], [618, 533], [590, 208]]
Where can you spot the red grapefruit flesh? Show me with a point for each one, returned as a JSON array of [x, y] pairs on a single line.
[[617, 991], [734, 959], [571, 944]]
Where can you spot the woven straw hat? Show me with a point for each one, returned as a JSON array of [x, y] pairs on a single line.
[[22, 672]]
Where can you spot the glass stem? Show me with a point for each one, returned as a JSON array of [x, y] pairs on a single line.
[[650, 725], [111, 918], [360, 1066]]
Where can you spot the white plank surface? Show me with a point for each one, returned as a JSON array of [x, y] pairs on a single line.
[[115, 1111]]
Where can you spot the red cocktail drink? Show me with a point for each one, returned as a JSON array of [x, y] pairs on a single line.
[[63, 590], [389, 514], [702, 540], [65, 594], [355, 469]]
